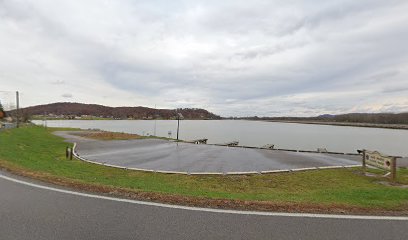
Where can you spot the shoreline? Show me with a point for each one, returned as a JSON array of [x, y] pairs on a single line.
[[343, 124]]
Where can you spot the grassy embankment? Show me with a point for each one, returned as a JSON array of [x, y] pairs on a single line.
[[35, 152]]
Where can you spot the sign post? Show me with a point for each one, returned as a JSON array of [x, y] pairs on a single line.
[[364, 162]]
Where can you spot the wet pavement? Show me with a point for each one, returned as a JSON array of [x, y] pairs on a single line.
[[162, 155]]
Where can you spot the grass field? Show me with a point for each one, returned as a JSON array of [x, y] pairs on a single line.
[[36, 152]]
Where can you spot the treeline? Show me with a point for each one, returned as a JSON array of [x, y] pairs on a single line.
[[72, 110], [2, 113], [380, 118], [374, 118]]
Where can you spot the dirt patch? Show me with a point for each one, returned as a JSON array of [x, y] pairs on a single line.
[[204, 202], [392, 184], [103, 135]]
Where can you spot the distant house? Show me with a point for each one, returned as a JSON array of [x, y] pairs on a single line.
[[2, 114]]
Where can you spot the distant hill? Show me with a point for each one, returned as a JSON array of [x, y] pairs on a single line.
[[378, 118], [75, 110], [372, 118]]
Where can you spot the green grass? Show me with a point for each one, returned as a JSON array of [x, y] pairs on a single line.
[[37, 149]]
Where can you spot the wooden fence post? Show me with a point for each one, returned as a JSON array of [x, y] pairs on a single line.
[[393, 169], [364, 161]]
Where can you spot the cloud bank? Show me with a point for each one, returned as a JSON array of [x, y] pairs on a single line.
[[235, 58]]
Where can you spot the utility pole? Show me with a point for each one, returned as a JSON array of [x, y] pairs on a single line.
[[155, 119], [179, 115], [45, 119], [17, 109]]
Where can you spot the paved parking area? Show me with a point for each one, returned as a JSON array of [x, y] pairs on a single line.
[[162, 155]]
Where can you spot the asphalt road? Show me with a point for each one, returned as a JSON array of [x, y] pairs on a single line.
[[29, 212], [162, 155]]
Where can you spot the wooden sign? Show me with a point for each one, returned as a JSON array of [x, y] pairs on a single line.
[[378, 160]]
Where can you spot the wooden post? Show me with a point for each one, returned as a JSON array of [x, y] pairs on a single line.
[[393, 169], [364, 162], [66, 152]]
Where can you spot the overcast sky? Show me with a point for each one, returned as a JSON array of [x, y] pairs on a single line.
[[234, 58]]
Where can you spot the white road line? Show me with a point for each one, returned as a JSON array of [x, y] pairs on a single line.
[[278, 214]]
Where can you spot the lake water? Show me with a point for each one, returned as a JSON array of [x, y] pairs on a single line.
[[257, 133]]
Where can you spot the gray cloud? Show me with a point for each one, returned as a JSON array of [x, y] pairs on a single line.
[[58, 82], [67, 95], [231, 57]]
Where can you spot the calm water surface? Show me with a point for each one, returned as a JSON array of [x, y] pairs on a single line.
[[256, 133]]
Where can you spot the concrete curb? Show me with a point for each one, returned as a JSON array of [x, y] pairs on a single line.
[[280, 149], [76, 155]]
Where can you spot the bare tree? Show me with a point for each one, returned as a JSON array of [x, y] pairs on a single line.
[[2, 114]]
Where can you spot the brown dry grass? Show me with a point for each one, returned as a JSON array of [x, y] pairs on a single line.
[[102, 135]]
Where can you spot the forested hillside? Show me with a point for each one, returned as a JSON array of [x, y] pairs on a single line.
[[72, 110], [375, 118]]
